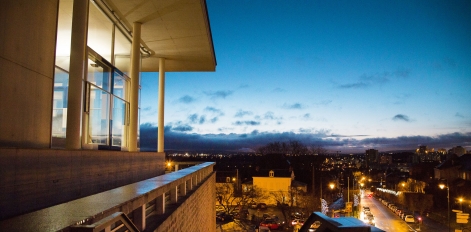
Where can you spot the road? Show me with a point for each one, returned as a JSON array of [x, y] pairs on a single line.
[[388, 221], [385, 219]]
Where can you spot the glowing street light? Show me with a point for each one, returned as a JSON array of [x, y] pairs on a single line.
[[331, 185], [442, 186], [461, 203]]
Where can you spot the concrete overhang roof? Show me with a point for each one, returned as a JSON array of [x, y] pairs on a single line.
[[177, 30]]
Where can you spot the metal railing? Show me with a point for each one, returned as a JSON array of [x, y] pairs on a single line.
[[116, 222]]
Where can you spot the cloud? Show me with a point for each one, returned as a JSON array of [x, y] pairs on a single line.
[[365, 80], [243, 86], [459, 115], [358, 85], [270, 116], [279, 90], [147, 108], [183, 128], [242, 113], [214, 110], [293, 106], [186, 99], [401, 117], [219, 94], [195, 119], [175, 139], [246, 123]]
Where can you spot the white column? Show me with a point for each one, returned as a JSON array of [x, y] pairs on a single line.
[[77, 71], [160, 133], [134, 73]]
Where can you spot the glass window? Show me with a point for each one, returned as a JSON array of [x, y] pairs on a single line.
[[118, 123], [59, 108], [64, 32], [100, 32], [122, 52], [99, 74], [99, 117], [119, 87]]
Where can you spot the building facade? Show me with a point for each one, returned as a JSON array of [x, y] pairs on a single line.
[[70, 81]]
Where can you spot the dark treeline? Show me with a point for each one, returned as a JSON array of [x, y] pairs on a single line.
[[278, 156]]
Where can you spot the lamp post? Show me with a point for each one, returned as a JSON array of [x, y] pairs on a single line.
[[461, 203], [442, 186]]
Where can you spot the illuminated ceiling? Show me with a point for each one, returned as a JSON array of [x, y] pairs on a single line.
[[177, 30]]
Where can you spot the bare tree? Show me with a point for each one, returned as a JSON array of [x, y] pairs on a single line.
[[230, 201], [282, 198], [292, 147]]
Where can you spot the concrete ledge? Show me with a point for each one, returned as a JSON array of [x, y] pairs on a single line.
[[90, 209]]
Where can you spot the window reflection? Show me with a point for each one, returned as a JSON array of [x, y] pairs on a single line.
[[98, 124], [59, 108]]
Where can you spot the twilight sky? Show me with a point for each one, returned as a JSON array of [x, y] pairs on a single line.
[[346, 75]]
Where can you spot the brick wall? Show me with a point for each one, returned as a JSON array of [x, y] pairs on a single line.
[[196, 213], [32, 179]]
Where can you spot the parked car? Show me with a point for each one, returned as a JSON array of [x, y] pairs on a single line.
[[296, 215], [371, 220], [297, 222], [270, 223], [398, 211], [403, 217], [224, 217], [409, 218]]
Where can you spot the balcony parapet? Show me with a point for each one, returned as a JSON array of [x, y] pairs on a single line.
[[143, 202]]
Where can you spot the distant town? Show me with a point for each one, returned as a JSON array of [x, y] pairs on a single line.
[[330, 176]]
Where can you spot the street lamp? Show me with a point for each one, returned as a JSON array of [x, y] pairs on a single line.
[[461, 203], [442, 186]]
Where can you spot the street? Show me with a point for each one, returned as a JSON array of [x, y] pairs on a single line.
[[388, 221], [385, 219]]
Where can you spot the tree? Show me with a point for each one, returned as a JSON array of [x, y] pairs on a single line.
[[293, 147], [227, 197], [295, 200], [282, 198]]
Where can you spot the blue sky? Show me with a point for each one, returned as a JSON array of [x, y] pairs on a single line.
[[346, 75]]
